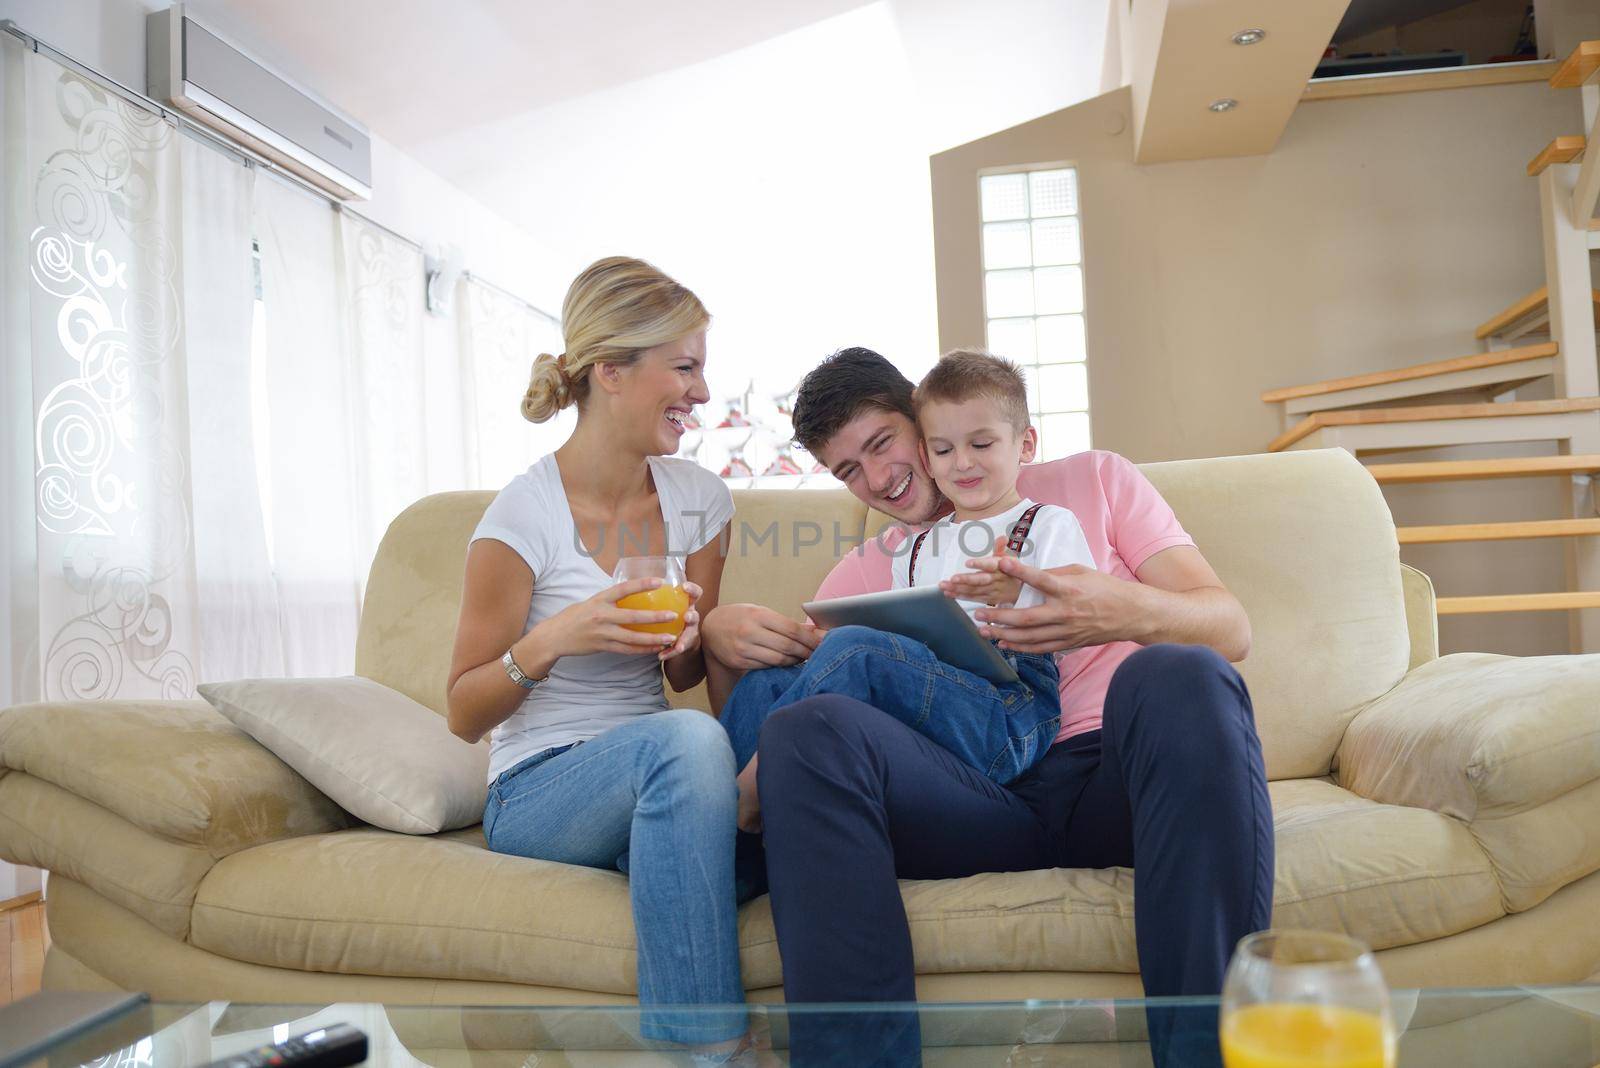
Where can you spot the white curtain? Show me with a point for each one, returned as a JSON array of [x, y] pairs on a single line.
[[102, 582], [308, 474], [381, 292], [500, 339], [347, 412], [204, 444], [236, 603]]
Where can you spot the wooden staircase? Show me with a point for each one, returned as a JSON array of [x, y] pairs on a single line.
[[1547, 336], [1530, 315]]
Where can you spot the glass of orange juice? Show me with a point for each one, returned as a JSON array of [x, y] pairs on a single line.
[[1305, 999], [670, 596]]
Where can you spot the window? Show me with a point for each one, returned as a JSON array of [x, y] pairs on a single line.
[[1033, 297]]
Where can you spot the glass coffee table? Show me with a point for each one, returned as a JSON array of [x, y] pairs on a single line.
[[1523, 1026]]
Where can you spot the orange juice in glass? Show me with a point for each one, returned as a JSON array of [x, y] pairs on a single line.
[[1305, 999], [670, 596]]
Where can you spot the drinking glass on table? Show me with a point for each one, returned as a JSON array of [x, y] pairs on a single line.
[[1306, 999], [670, 596]]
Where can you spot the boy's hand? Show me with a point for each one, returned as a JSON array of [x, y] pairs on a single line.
[[988, 585]]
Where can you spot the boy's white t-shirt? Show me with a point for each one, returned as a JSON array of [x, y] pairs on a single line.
[[1054, 540], [587, 695]]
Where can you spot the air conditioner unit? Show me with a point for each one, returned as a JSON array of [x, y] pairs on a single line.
[[218, 84]]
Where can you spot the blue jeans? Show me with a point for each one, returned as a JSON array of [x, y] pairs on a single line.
[[656, 799], [1172, 785], [1000, 730]]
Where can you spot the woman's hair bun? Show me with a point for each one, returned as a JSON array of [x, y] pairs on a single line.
[[549, 390]]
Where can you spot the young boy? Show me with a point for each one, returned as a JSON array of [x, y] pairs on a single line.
[[972, 414]]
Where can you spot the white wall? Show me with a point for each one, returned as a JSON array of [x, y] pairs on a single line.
[[15, 881], [787, 182], [1377, 235]]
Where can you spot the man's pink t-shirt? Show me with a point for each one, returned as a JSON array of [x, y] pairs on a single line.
[[1125, 521]]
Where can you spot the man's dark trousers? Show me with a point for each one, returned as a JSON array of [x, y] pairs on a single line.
[[1172, 785]]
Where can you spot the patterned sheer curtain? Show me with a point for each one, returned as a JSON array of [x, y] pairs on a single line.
[[500, 338], [99, 538], [381, 282], [197, 467]]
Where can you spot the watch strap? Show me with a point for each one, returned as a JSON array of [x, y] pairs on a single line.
[[516, 674]]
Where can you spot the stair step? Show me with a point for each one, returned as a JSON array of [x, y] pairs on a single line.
[[1516, 602], [1459, 470], [1414, 372], [1369, 416], [1579, 67], [1534, 303], [1537, 528], [1561, 150]]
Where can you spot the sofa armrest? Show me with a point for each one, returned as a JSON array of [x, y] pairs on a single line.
[[1478, 736], [174, 768]]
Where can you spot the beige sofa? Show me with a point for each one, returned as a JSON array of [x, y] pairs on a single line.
[[1445, 810]]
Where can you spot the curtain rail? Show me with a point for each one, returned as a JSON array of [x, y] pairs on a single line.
[[504, 292], [239, 152]]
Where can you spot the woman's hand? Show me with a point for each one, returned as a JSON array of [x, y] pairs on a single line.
[[596, 625], [988, 585], [689, 640]]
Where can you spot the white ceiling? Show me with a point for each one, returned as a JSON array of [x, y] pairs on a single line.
[[1364, 16], [412, 70], [772, 153]]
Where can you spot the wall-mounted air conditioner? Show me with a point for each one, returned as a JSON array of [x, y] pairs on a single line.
[[218, 84]]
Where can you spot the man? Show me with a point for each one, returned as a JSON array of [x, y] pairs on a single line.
[[1158, 766]]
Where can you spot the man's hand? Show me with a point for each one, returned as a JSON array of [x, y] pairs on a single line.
[[1081, 607], [991, 587], [746, 637]]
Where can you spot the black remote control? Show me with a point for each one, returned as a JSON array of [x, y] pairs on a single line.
[[326, 1047]]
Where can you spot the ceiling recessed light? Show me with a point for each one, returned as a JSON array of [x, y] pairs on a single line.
[[1227, 103], [1248, 37]]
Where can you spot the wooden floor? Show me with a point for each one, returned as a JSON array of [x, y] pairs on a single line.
[[23, 940]]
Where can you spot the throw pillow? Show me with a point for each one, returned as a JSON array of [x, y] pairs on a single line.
[[381, 756]]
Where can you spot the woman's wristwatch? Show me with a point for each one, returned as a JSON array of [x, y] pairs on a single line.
[[516, 675]]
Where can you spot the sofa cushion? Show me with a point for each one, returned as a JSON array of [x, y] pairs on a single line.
[[781, 545], [1478, 735], [379, 754], [1538, 851], [414, 595], [44, 826], [369, 902], [175, 768], [1388, 875], [1326, 639], [376, 903]]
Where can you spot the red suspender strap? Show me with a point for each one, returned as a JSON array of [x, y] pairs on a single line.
[[1019, 533], [916, 547]]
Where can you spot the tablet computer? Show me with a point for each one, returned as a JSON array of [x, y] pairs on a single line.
[[923, 613]]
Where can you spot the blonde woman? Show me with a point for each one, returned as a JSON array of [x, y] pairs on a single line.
[[588, 765]]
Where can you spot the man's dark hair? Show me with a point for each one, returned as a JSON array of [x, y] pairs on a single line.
[[843, 386]]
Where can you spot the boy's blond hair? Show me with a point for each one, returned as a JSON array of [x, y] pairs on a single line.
[[962, 374]]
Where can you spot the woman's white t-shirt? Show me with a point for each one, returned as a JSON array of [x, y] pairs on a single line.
[[588, 695]]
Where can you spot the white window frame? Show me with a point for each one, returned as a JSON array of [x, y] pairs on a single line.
[[1058, 398]]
